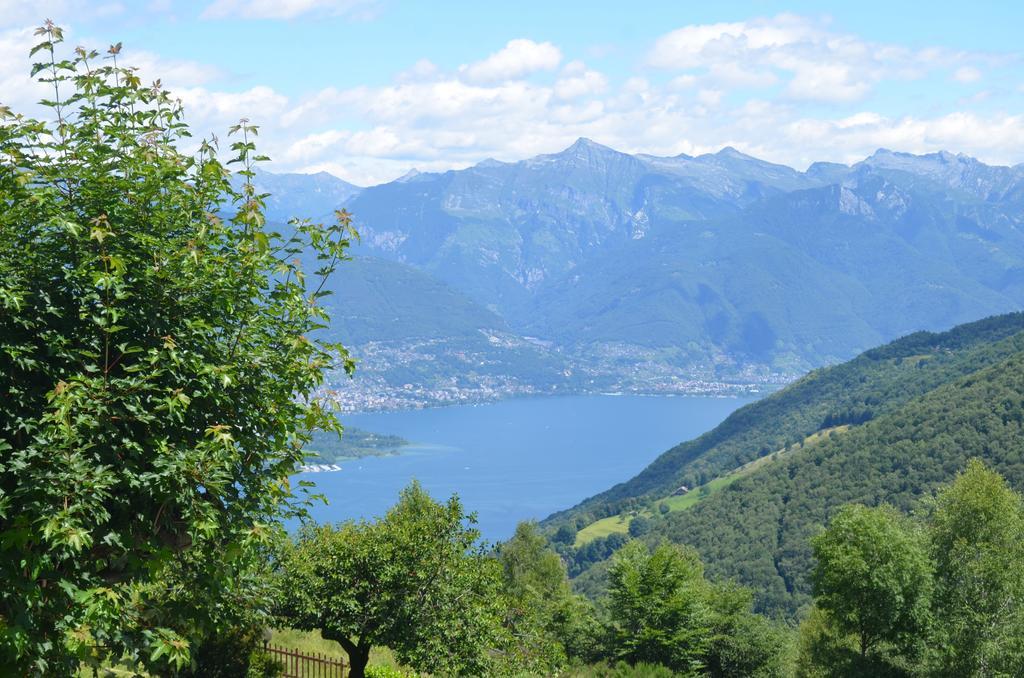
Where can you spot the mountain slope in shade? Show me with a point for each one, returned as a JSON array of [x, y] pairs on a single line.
[[377, 300]]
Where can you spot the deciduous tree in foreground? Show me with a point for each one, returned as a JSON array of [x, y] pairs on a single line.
[[414, 581], [156, 369], [873, 576]]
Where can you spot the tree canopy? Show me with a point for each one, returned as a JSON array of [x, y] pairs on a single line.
[[873, 575], [977, 542], [414, 581], [157, 368]]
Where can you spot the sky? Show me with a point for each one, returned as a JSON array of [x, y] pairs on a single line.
[[369, 89]]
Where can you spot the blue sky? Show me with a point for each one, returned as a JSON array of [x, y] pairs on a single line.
[[368, 89]]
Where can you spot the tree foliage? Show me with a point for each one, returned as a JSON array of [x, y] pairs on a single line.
[[156, 368], [658, 607], [664, 612], [977, 540], [873, 576], [414, 581], [951, 588], [547, 625]]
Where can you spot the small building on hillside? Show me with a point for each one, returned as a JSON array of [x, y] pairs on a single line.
[[682, 489]]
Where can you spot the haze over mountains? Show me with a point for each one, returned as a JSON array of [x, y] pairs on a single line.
[[721, 266]]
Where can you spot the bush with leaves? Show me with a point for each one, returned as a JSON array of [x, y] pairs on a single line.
[[156, 369]]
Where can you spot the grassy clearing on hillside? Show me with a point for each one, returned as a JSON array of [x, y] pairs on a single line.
[[620, 522], [602, 528]]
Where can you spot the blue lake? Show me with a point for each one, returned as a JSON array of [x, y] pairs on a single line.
[[516, 459]]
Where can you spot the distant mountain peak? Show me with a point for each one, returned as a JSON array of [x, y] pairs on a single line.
[[731, 152], [584, 142], [884, 155], [408, 176], [585, 147], [582, 152]]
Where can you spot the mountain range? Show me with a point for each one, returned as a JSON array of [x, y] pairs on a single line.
[[722, 265]]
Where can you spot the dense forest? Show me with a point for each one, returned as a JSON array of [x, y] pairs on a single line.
[[872, 384]]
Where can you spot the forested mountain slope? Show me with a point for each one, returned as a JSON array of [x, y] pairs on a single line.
[[920, 407], [876, 382], [757, 530]]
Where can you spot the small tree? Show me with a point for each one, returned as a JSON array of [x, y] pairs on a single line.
[[547, 624], [413, 581], [639, 526], [658, 605], [977, 541], [873, 576], [156, 370], [744, 644]]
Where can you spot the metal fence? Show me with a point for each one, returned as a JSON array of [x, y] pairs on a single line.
[[301, 665]]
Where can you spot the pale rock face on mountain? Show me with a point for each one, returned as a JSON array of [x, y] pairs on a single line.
[[719, 259]]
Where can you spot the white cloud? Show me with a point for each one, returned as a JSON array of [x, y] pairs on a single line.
[[579, 81], [709, 97], [17, 89], [996, 138], [211, 110], [287, 9], [742, 84], [815, 62], [694, 46], [967, 74], [518, 58]]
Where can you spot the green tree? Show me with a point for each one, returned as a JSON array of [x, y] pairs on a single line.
[[548, 624], [413, 581], [639, 526], [566, 534], [156, 369], [744, 644], [873, 576], [535, 585], [658, 605], [977, 539]]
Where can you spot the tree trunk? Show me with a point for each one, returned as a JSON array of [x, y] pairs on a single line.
[[358, 658], [358, 655]]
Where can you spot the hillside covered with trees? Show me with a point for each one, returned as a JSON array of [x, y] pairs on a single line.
[[911, 413]]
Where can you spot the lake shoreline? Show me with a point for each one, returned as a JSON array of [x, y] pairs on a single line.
[[747, 391]]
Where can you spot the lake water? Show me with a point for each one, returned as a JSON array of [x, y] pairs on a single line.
[[516, 459]]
